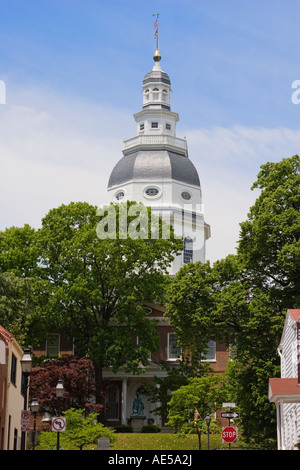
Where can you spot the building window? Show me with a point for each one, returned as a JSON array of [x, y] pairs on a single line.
[[112, 401], [211, 354], [13, 370], [152, 192], [120, 195], [154, 125], [188, 251], [142, 127], [174, 351], [186, 195], [52, 345], [168, 127]]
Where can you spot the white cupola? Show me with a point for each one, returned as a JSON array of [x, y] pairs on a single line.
[[156, 170]]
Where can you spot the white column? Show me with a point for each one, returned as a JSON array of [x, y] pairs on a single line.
[[158, 417], [124, 401]]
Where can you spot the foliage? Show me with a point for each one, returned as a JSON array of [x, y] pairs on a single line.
[[89, 283], [161, 392], [80, 432], [77, 375], [18, 251], [15, 305], [123, 428], [269, 243], [191, 403], [96, 287], [242, 300]]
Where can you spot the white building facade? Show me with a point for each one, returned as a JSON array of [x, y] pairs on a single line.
[[285, 391], [156, 170]]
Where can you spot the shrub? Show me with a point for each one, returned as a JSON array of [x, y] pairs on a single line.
[[123, 428], [151, 428]]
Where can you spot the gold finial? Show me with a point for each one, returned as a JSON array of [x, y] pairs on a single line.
[[157, 56]]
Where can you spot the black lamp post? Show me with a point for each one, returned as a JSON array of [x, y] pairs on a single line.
[[59, 391], [34, 407], [26, 364], [207, 419]]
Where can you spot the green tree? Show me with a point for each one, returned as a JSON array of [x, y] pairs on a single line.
[[18, 251], [189, 302], [16, 300], [269, 243], [175, 378], [191, 403], [80, 432], [94, 284], [77, 375]]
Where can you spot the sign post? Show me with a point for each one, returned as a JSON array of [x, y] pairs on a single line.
[[25, 420], [58, 425]]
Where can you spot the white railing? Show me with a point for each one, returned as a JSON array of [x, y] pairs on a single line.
[[155, 140]]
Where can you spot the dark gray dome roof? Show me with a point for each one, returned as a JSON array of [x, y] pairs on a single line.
[[150, 165], [157, 76]]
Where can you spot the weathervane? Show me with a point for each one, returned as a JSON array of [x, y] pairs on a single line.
[[156, 28]]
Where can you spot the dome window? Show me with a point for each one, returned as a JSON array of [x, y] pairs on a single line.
[[120, 195], [186, 195], [151, 191], [188, 250]]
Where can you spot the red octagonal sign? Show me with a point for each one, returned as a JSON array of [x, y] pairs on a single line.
[[229, 434]]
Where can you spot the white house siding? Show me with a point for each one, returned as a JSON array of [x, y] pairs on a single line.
[[288, 353], [288, 417]]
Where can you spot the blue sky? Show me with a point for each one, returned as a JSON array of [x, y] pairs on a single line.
[[73, 72]]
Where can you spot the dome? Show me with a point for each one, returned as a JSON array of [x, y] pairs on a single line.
[[157, 76], [154, 165]]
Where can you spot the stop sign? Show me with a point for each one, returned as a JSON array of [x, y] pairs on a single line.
[[229, 434]]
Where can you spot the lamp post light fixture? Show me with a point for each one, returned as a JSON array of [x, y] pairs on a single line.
[[34, 407], [26, 364], [207, 419], [59, 391]]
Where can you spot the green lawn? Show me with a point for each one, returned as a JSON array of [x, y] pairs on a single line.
[[136, 441]]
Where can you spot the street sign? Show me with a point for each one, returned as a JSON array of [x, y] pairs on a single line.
[[228, 405], [229, 434], [230, 414], [25, 420], [58, 424]]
